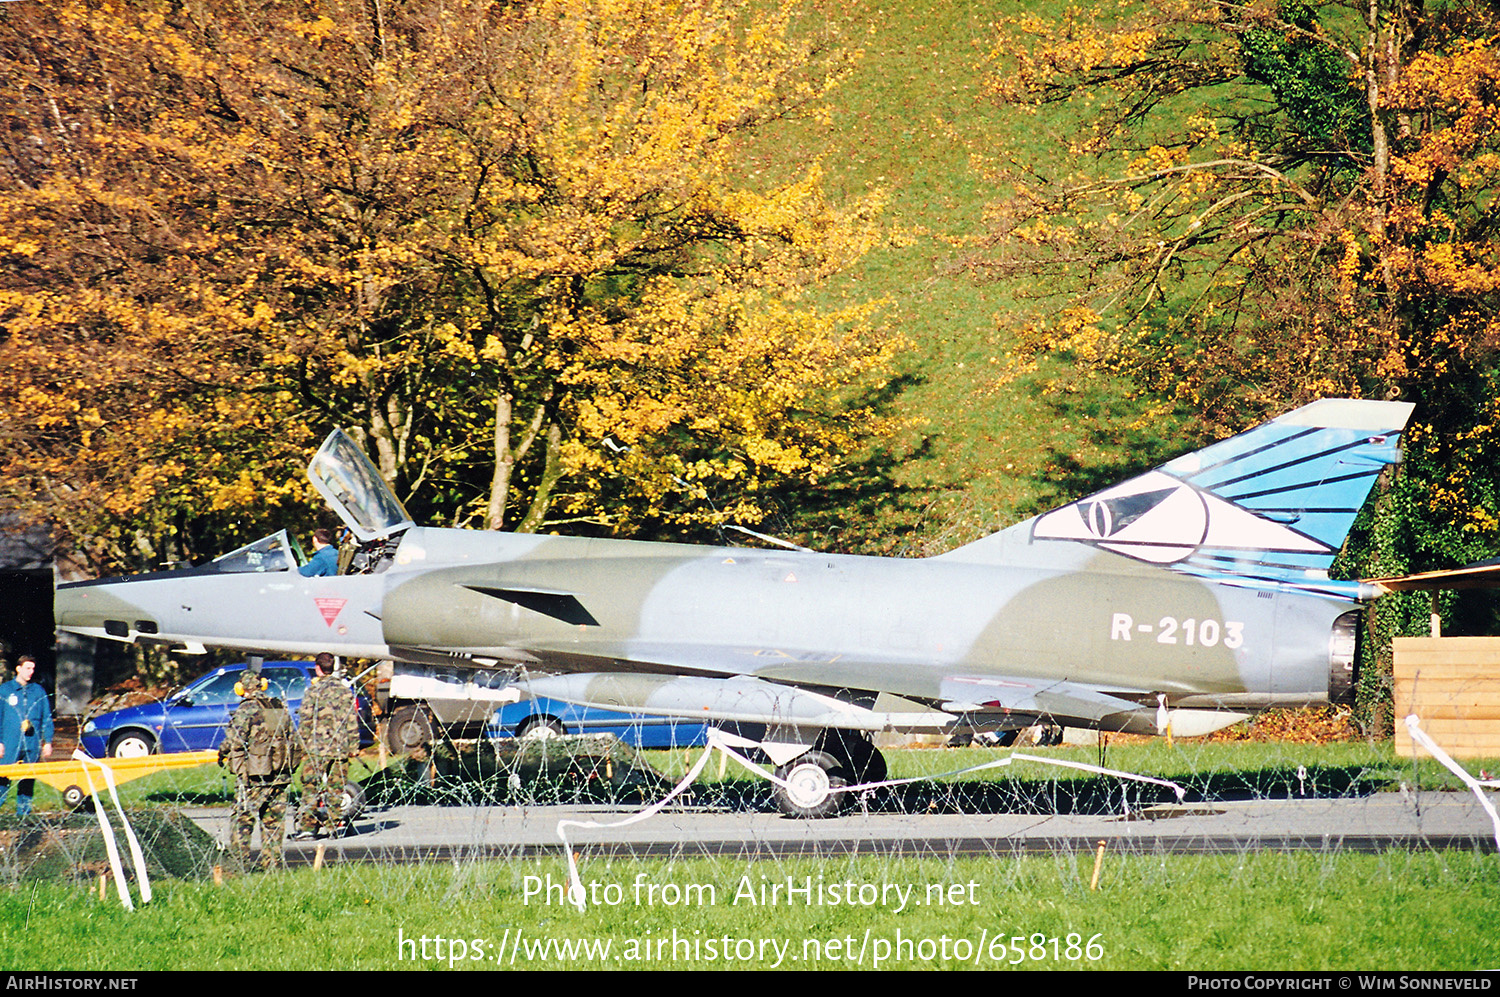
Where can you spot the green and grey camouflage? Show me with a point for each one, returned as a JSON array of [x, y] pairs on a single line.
[[258, 742], [328, 727], [261, 750], [327, 720]]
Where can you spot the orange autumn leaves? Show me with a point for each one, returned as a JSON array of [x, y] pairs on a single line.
[[506, 244], [1260, 203]]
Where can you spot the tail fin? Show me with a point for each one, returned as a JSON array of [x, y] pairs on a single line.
[[1271, 505]]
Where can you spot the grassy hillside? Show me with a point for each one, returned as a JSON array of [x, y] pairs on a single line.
[[975, 454]]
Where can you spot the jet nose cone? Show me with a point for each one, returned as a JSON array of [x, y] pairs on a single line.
[[70, 606], [100, 610]]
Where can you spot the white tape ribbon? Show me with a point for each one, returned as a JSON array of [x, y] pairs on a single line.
[[1413, 726], [575, 885], [719, 741], [111, 847]]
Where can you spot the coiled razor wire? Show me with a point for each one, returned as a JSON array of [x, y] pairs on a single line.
[[175, 819], [720, 741]]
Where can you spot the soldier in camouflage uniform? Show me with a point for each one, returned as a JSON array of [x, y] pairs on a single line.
[[328, 725], [261, 749]]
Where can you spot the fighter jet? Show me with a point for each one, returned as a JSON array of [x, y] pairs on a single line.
[[1190, 597]]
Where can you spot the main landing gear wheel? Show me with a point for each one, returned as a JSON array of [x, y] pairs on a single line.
[[862, 761], [74, 797], [813, 783], [866, 763], [351, 803]]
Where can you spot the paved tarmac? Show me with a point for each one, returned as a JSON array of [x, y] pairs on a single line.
[[1401, 820]]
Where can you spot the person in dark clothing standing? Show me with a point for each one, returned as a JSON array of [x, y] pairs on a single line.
[[25, 729]]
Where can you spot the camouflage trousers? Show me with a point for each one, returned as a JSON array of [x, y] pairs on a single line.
[[263, 801], [323, 779]]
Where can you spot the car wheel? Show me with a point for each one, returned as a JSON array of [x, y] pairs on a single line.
[[131, 744], [813, 781], [410, 728], [540, 727]]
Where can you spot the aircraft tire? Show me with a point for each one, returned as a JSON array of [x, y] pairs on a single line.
[[410, 728], [353, 804], [74, 797], [868, 764], [354, 801], [861, 760], [813, 778]]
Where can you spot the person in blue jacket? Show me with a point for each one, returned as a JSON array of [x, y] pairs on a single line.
[[325, 558], [25, 729]]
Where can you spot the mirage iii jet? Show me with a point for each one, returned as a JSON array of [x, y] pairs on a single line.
[[1192, 595]]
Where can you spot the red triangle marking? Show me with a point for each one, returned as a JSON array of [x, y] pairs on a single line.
[[330, 609]]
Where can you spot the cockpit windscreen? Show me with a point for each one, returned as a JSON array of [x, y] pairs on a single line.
[[276, 552]]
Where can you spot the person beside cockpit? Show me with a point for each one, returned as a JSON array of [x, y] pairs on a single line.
[[325, 558]]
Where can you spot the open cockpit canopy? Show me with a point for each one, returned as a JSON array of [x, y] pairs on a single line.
[[349, 483]]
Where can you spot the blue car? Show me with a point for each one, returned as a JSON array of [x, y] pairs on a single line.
[[193, 718], [544, 717]]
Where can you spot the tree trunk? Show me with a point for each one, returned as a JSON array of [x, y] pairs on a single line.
[[509, 453], [505, 463], [551, 472]]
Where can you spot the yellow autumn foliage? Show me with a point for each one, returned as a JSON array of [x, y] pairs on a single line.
[[492, 239]]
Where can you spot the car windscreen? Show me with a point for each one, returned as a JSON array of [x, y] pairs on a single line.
[[217, 691], [285, 683]]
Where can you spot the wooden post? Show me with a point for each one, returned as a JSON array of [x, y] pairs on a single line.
[[1098, 865]]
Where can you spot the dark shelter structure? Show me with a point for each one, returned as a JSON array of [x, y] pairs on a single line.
[[29, 562]]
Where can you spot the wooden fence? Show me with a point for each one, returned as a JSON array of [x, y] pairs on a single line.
[[1452, 684]]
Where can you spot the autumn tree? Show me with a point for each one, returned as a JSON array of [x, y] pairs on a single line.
[[506, 242], [1242, 224], [1267, 202]]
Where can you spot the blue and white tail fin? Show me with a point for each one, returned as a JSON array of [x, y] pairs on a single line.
[[1270, 506]]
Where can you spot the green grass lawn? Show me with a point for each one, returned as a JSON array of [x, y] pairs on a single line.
[[1246, 910], [1249, 911], [1208, 769]]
